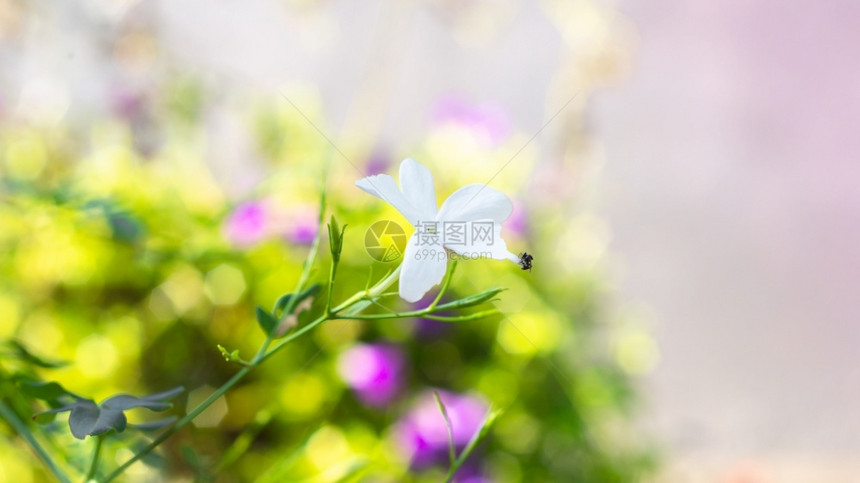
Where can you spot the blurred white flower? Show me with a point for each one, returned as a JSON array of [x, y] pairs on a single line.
[[468, 223]]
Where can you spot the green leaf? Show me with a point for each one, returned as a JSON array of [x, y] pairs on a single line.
[[154, 425], [189, 454], [25, 355], [46, 417], [452, 450], [46, 391], [84, 416], [335, 238], [124, 401], [108, 419], [479, 436], [283, 303], [267, 321], [164, 395], [89, 419], [471, 300]]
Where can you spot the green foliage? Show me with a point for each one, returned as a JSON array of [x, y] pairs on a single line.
[[335, 238], [86, 418], [121, 262]]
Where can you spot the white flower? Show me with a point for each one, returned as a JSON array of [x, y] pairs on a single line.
[[474, 211]]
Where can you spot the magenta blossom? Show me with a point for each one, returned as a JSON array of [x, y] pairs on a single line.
[[487, 122], [423, 434], [373, 371], [378, 162], [247, 224], [429, 328], [518, 221], [302, 225]]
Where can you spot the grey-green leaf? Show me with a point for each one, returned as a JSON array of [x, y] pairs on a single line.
[[164, 395], [154, 425], [124, 401], [109, 419], [83, 418]]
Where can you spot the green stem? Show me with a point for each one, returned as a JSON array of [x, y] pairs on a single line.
[[425, 313], [263, 354], [182, 422], [452, 450], [243, 441], [374, 292], [331, 275], [94, 462], [479, 436], [22, 429], [448, 276]]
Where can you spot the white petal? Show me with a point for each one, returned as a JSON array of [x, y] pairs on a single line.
[[416, 182], [383, 187], [476, 202], [423, 267], [483, 239]]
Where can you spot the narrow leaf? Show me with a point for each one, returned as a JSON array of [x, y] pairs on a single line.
[[25, 355], [164, 395], [471, 300], [122, 402], [452, 451], [154, 425], [43, 417]]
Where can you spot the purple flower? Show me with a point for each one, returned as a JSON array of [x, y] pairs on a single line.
[[302, 226], [127, 103], [373, 371], [488, 122], [377, 163], [429, 328], [247, 224], [518, 221], [423, 434]]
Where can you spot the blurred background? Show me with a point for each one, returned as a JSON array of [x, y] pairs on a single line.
[[681, 172]]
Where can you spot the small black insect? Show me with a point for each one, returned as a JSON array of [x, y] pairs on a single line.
[[526, 261]]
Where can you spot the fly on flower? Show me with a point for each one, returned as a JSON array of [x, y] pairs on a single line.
[[526, 260], [469, 224]]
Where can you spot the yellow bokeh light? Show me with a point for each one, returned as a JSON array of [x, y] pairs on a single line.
[[304, 394], [529, 332], [10, 313], [96, 356], [41, 330], [211, 416], [184, 288], [327, 447], [224, 285]]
